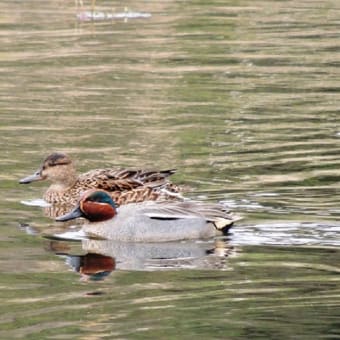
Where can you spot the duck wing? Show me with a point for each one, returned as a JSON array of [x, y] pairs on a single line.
[[186, 209], [124, 179]]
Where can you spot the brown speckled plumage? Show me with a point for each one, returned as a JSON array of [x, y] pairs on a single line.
[[125, 186]]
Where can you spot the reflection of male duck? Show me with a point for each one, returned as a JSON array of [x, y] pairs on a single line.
[[92, 267], [103, 256], [124, 185], [168, 255], [149, 221]]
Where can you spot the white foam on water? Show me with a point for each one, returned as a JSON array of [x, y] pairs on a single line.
[[287, 233], [98, 16], [39, 202]]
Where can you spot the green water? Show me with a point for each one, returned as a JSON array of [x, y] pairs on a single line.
[[242, 98]]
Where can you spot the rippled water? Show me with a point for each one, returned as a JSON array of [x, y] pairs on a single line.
[[242, 98]]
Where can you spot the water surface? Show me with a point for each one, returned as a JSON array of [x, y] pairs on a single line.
[[242, 98]]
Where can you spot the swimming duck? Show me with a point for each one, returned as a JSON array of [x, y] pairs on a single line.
[[124, 185], [150, 221]]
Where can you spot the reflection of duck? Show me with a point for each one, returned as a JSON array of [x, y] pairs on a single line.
[[91, 266], [166, 255], [94, 267], [124, 185], [149, 221], [103, 256]]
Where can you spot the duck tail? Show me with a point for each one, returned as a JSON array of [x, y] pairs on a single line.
[[154, 176], [224, 224], [168, 172]]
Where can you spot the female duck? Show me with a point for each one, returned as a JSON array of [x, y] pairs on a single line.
[[149, 221], [125, 186]]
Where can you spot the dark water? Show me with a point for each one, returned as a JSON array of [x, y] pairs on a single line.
[[242, 98]]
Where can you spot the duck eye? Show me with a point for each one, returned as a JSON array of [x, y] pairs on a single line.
[[58, 164]]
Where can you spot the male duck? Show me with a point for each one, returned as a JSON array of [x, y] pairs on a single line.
[[124, 185], [149, 221]]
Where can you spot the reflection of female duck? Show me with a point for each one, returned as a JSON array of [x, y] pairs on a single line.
[[149, 221], [124, 185]]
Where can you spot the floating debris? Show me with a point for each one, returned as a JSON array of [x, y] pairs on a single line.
[[100, 16]]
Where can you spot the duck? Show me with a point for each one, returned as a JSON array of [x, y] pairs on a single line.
[[124, 185], [149, 221]]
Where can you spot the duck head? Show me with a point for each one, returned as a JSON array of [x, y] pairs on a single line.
[[57, 167], [94, 205]]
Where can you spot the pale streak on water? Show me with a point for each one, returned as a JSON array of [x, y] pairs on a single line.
[[243, 98]]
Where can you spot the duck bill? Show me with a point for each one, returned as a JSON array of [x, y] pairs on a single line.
[[33, 178], [75, 213]]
